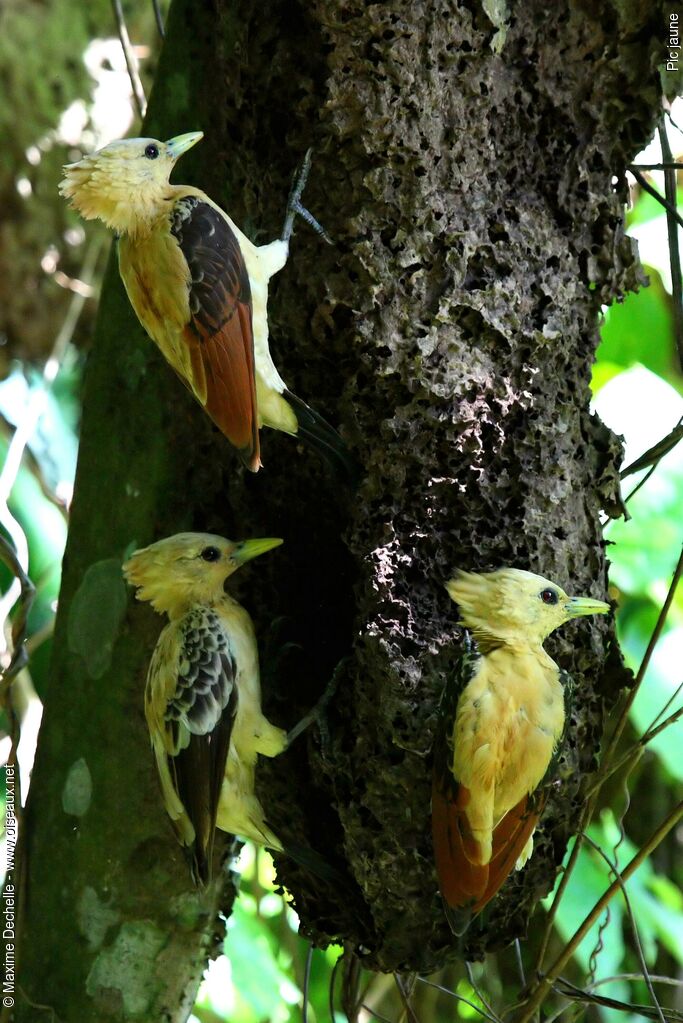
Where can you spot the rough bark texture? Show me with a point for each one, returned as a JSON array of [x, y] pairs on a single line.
[[449, 332]]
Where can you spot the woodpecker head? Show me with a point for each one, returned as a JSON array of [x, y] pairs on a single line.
[[188, 568], [125, 184], [512, 607]]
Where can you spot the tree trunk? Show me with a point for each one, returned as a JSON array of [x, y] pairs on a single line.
[[464, 172]]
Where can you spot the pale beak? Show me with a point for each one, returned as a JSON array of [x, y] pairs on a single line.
[[181, 143], [249, 549], [576, 607]]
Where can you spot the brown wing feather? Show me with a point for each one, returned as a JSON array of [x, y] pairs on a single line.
[[509, 838], [462, 880], [220, 332]]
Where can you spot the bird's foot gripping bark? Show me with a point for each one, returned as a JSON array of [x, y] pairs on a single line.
[[317, 713], [294, 206]]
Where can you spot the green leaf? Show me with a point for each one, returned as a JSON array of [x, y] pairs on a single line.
[[640, 330]]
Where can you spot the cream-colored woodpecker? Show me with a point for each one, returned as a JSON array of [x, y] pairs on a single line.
[[200, 288], [203, 696], [500, 724]]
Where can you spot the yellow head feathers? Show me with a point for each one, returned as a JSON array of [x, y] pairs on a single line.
[[514, 607], [126, 183], [188, 568]]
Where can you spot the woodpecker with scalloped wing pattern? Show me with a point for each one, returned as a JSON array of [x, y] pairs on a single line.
[[200, 288], [500, 726], [203, 696]]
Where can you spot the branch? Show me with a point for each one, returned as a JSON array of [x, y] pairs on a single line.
[[654, 166], [131, 63], [634, 925], [606, 770], [644, 183], [672, 220], [158, 18], [654, 638], [654, 454], [540, 990]]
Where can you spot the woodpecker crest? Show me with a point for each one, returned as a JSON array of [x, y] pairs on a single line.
[[125, 184], [514, 607]]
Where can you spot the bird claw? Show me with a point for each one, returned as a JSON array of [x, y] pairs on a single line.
[[317, 714], [295, 207]]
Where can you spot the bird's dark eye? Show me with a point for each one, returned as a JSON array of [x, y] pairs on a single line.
[[152, 151], [549, 596], [211, 554]]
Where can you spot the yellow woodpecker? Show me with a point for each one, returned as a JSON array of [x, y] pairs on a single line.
[[203, 696], [498, 733], [199, 287]]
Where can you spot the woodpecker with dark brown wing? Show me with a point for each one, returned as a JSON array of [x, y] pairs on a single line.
[[200, 288], [500, 726]]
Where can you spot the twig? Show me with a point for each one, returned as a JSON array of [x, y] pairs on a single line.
[[19, 656], [564, 881], [654, 454], [655, 166], [375, 1015], [40, 636], [473, 984], [404, 990], [459, 998], [351, 1001], [607, 769], [307, 983], [644, 664], [652, 726], [569, 990], [652, 457], [637, 750], [38, 1005], [542, 987], [135, 82], [641, 483], [17, 662], [634, 926], [159, 18], [644, 183], [666, 723], [330, 989], [520, 963], [674, 250], [654, 977], [667, 111]]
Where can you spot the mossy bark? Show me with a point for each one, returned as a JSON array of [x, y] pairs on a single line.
[[465, 173]]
